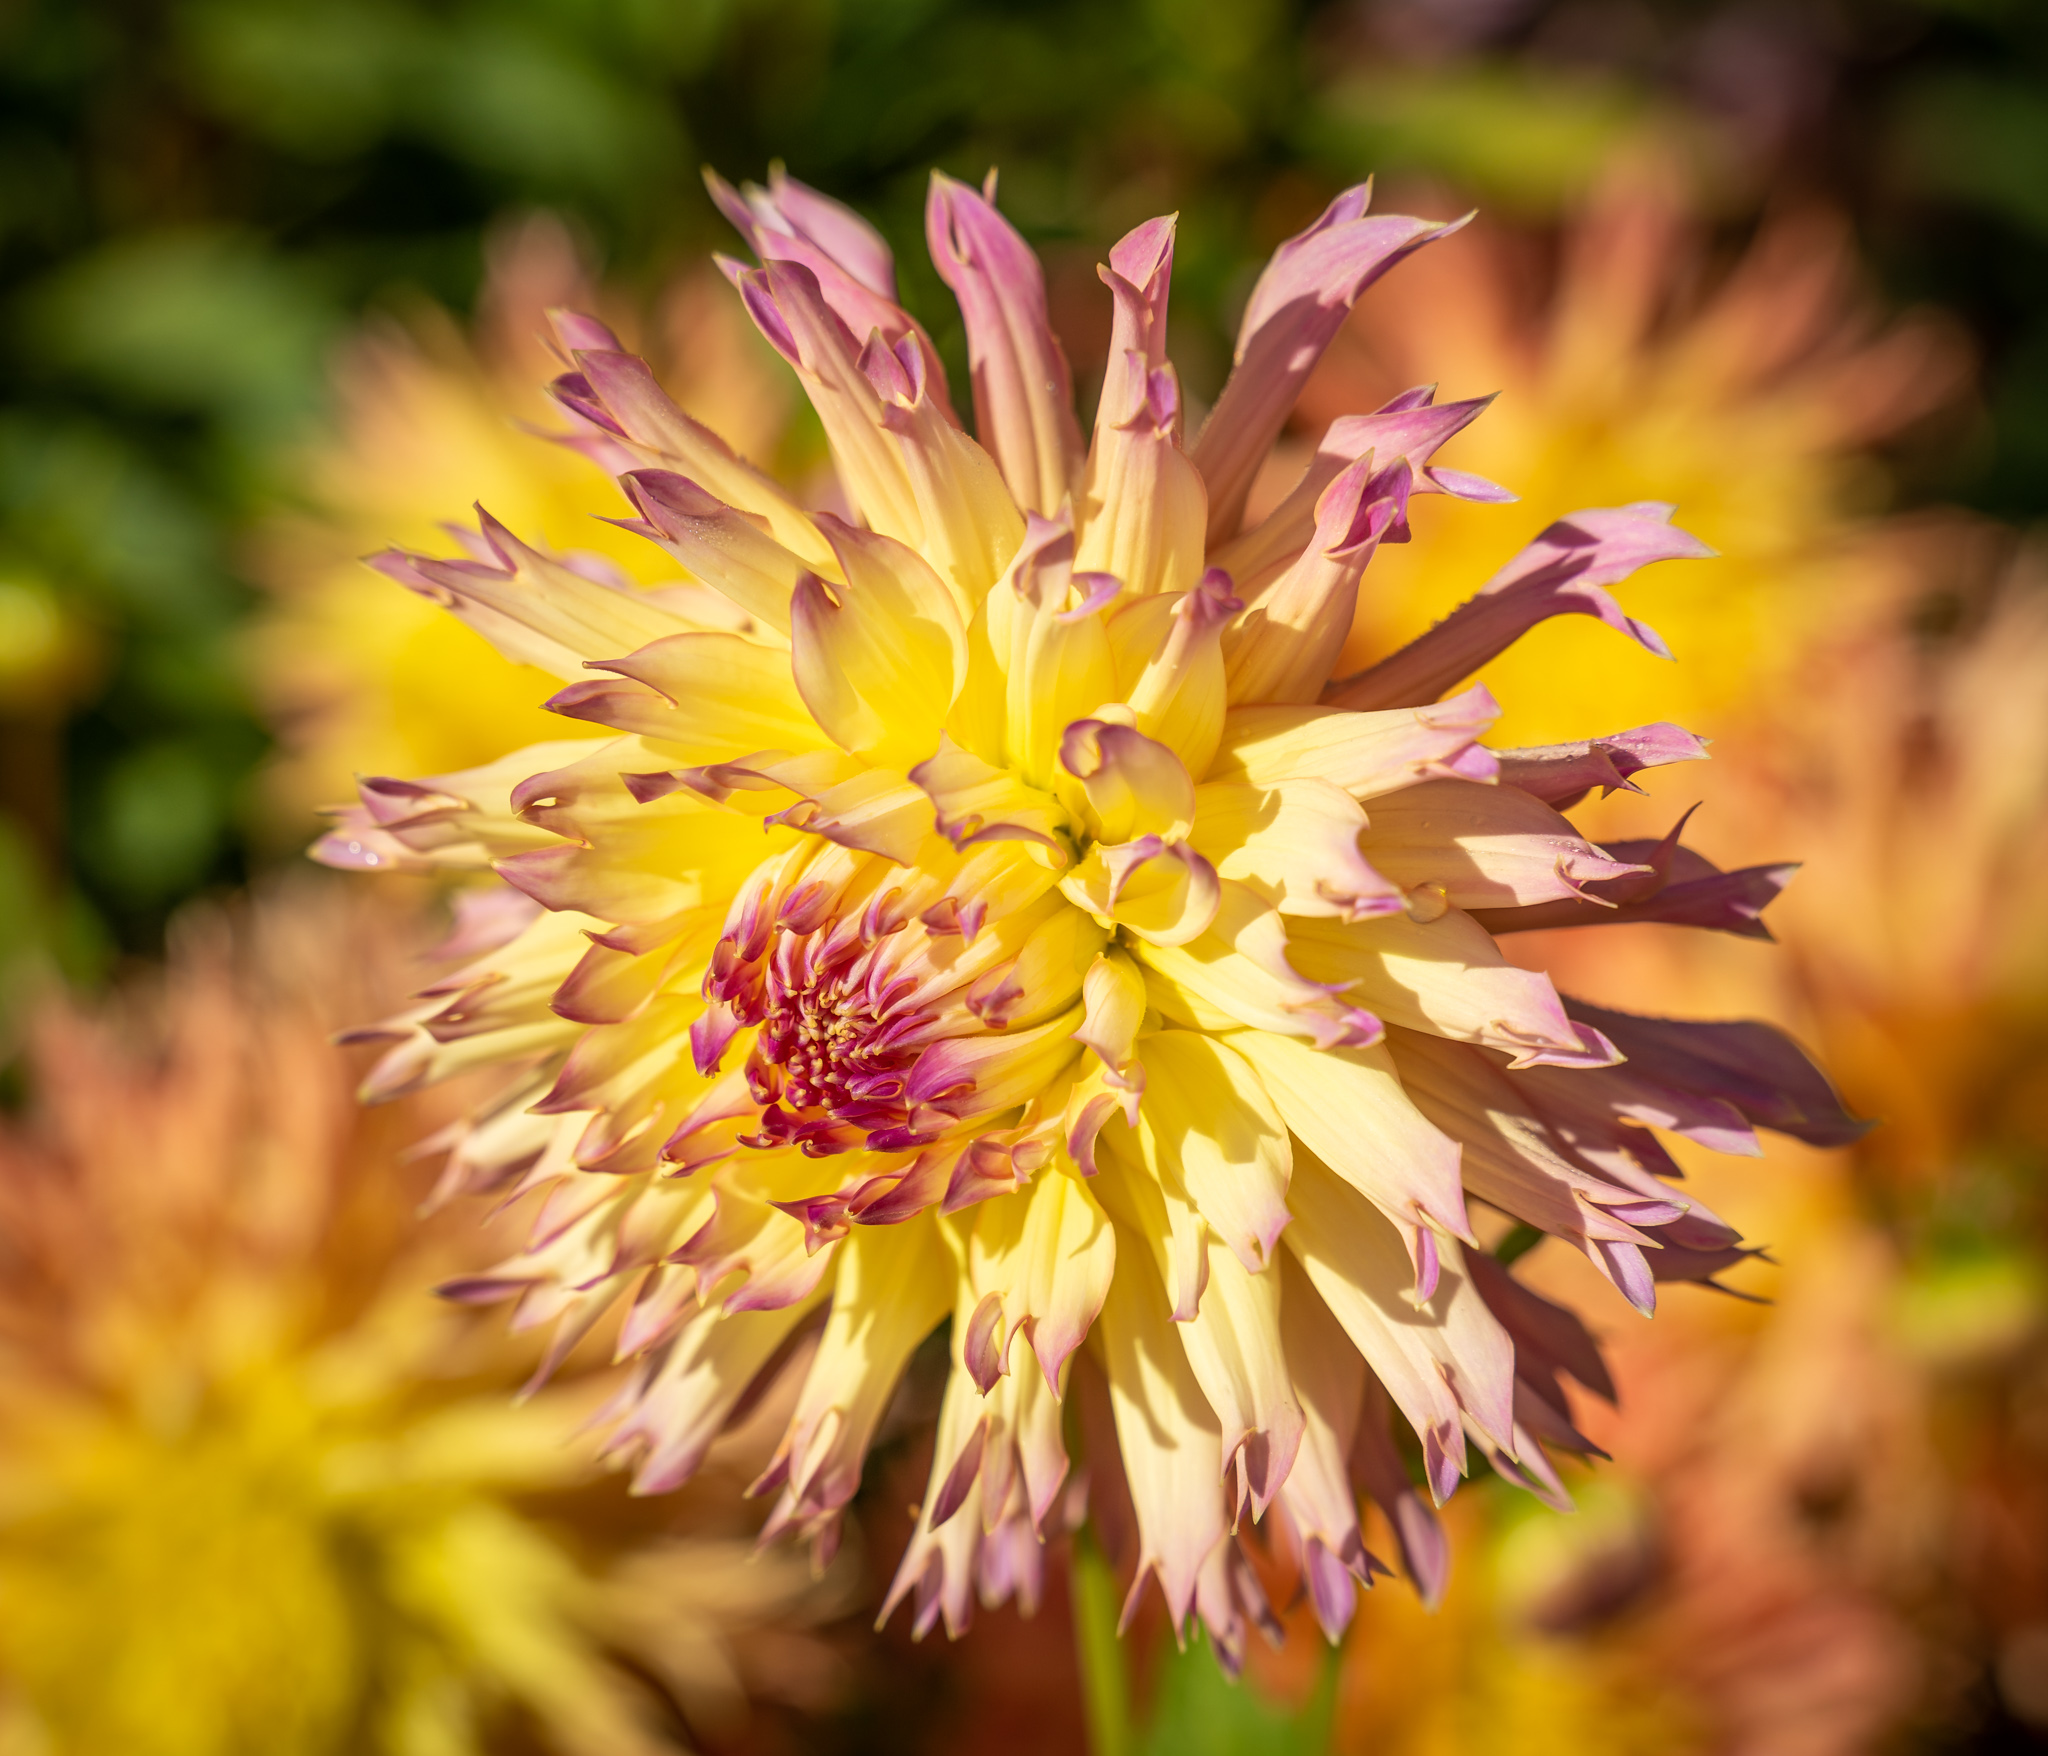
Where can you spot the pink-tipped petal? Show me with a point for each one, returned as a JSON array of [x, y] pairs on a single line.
[[1023, 391], [1297, 307], [1564, 572]]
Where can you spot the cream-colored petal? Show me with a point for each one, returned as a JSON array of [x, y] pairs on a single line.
[[894, 1284], [1445, 976], [1143, 508], [1348, 1107], [1169, 666], [1319, 1502], [695, 1388], [1164, 893], [702, 698], [1045, 1256], [1113, 995], [1441, 1359], [1483, 846], [1168, 1435], [1050, 654], [1238, 973], [1122, 785], [532, 608], [974, 800], [1364, 753]]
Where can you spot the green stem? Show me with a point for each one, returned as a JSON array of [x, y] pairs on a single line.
[[1105, 1684]]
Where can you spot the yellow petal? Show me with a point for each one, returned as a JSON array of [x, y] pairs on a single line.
[[1113, 994], [1208, 1125], [1046, 1256], [878, 663], [893, 1286], [705, 697], [1364, 753], [1052, 657], [1122, 785], [1143, 509], [1295, 844]]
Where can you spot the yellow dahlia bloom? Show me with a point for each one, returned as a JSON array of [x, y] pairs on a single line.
[[990, 907], [255, 1494], [359, 678]]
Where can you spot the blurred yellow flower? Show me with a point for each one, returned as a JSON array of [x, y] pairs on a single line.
[[1752, 407], [257, 1492], [362, 677]]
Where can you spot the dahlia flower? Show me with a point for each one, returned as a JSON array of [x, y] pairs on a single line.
[[256, 1492], [988, 906]]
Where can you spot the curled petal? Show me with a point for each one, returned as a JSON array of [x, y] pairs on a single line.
[[1045, 1259], [709, 697], [1406, 429], [1295, 845], [975, 801], [1446, 975], [1142, 504], [1669, 883], [1317, 1498], [1240, 973], [1129, 785], [1169, 1437], [1113, 996], [1347, 1106], [1485, 847], [531, 607], [792, 222], [1035, 664], [1169, 665], [1755, 1067], [1164, 892], [622, 391], [892, 1287], [1442, 1359]]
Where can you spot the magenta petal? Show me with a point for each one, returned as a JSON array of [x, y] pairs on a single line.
[[1684, 889], [1296, 308], [1562, 573], [1563, 774], [1756, 1067], [1549, 1338]]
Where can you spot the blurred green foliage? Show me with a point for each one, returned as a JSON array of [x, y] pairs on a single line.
[[197, 196]]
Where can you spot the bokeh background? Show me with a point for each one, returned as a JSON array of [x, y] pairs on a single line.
[[272, 275]]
